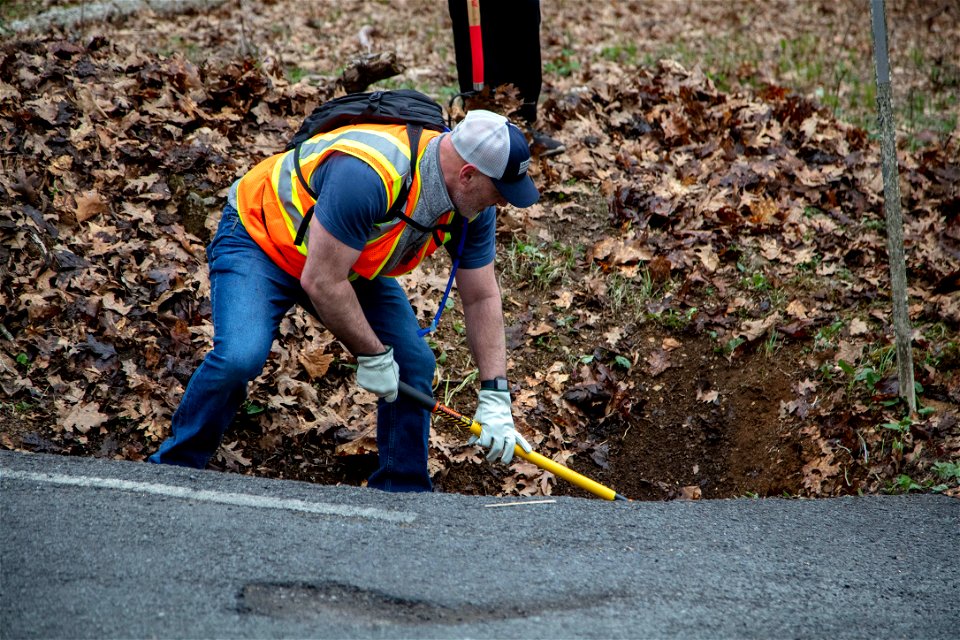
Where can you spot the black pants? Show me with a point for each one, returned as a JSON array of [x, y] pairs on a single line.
[[511, 48]]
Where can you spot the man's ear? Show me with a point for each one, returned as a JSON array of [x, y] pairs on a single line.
[[467, 171]]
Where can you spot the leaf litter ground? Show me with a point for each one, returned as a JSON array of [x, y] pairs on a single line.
[[698, 307]]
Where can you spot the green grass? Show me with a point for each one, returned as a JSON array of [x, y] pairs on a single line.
[[839, 78], [625, 54], [401, 82], [19, 407], [944, 476], [826, 336], [563, 65], [295, 74], [773, 343], [542, 266], [629, 295], [948, 472], [864, 375], [11, 10], [189, 50]]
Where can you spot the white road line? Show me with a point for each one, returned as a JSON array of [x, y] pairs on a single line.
[[518, 504], [203, 495]]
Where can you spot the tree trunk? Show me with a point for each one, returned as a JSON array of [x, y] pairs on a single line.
[[891, 207]]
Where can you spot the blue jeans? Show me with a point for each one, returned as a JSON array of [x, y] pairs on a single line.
[[249, 295]]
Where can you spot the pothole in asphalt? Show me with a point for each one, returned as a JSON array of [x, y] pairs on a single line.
[[330, 599]]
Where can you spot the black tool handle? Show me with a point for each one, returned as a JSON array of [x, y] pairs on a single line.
[[420, 397]]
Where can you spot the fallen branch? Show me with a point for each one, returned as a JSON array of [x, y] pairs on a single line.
[[103, 11], [368, 69]]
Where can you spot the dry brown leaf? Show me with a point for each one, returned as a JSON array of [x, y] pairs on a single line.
[[557, 381], [669, 344], [541, 329], [849, 351], [658, 361], [84, 416], [365, 442], [620, 252], [564, 299], [708, 258], [316, 362], [89, 204], [613, 336], [763, 209], [753, 329], [797, 310], [858, 327], [708, 396], [821, 469], [109, 301], [232, 455]]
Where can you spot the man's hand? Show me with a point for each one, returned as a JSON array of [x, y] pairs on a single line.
[[497, 431], [379, 374]]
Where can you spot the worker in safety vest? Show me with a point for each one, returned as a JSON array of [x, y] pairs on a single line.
[[342, 272]]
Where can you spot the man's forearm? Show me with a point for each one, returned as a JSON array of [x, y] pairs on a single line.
[[340, 312], [485, 336], [326, 280], [483, 313]]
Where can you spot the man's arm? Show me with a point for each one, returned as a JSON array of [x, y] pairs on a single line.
[[350, 197], [483, 312], [326, 281]]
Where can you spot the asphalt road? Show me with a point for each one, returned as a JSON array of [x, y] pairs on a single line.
[[105, 549]]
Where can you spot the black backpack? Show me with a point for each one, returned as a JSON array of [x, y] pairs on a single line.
[[403, 106]]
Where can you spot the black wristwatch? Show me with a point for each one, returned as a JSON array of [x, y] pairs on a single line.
[[497, 384]]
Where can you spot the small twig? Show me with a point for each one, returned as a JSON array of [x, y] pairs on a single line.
[[246, 49], [47, 258], [517, 504], [6, 368]]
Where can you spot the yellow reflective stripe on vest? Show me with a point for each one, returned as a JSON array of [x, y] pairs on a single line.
[[382, 151], [395, 232], [271, 199], [291, 220]]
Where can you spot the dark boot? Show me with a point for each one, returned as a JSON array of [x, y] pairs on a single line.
[[543, 145]]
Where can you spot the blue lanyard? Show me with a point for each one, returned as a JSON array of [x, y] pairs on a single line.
[[446, 294]]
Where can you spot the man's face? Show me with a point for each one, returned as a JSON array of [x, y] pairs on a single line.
[[476, 192]]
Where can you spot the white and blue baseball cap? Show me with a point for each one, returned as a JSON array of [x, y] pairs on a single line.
[[499, 150]]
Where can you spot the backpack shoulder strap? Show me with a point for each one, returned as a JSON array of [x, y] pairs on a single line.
[[414, 132], [304, 223], [296, 166]]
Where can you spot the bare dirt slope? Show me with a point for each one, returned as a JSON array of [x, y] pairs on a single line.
[[697, 307]]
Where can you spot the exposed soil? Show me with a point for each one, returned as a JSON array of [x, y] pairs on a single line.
[[668, 342]]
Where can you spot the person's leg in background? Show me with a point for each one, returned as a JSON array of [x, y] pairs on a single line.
[[403, 426], [249, 295], [511, 52]]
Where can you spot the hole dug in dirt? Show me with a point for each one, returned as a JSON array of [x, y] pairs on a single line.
[[707, 426], [296, 600]]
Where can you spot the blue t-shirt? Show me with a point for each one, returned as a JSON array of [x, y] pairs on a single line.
[[351, 199]]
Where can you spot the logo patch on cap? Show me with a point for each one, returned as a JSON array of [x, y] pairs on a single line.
[[523, 166]]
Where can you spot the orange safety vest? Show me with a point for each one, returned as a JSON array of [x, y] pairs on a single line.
[[271, 201]]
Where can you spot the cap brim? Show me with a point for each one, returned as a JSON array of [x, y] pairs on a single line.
[[520, 193]]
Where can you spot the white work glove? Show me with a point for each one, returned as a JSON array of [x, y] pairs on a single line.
[[497, 431], [379, 374]]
